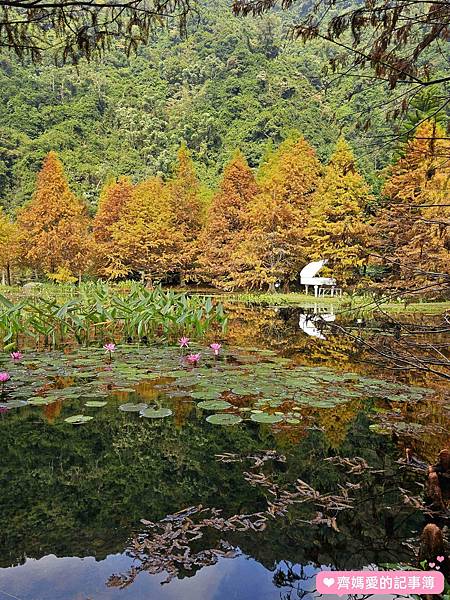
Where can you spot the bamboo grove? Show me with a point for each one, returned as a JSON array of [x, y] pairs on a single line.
[[255, 230]]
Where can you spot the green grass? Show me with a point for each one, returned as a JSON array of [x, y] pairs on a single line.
[[345, 302]]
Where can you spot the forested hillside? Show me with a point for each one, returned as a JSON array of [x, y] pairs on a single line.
[[231, 83]]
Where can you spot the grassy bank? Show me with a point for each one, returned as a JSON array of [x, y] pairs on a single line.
[[342, 303]]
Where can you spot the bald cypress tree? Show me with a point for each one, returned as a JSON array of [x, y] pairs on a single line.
[[413, 226], [54, 224], [272, 246], [113, 198], [187, 213], [225, 221], [337, 229]]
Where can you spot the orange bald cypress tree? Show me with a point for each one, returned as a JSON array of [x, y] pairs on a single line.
[[144, 237], [8, 245], [413, 227], [115, 195], [225, 221], [54, 224], [338, 230], [186, 208], [272, 245]]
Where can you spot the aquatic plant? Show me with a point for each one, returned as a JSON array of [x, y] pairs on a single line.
[[216, 348], [193, 359], [16, 355], [99, 311]]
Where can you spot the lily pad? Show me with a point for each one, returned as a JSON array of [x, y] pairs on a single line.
[[40, 401], [265, 418], [95, 403], [78, 419], [14, 403], [206, 395], [214, 404], [224, 419], [155, 413], [130, 407]]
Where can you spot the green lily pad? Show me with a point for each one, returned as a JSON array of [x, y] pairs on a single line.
[[14, 403], [40, 401], [78, 419], [95, 403], [130, 407], [155, 413], [206, 395], [293, 421], [214, 404], [265, 418], [224, 419]]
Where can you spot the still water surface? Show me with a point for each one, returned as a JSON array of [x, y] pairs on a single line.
[[73, 497]]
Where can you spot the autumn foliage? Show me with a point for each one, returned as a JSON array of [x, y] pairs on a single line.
[[271, 244], [337, 229], [113, 198], [54, 224], [414, 225], [259, 229], [186, 213], [225, 222]]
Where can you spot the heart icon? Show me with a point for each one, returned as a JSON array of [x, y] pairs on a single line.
[[438, 567], [440, 558], [431, 565], [328, 581]]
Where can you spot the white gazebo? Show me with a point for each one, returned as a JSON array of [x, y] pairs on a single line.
[[321, 284]]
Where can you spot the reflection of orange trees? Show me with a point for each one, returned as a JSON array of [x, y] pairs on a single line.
[[336, 351], [181, 411], [290, 435], [53, 410], [249, 326], [147, 390], [436, 426], [336, 421], [120, 395]]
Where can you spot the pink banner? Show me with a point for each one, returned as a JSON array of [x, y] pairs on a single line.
[[379, 582]]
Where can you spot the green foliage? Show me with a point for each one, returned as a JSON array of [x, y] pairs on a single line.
[[97, 312], [231, 83]]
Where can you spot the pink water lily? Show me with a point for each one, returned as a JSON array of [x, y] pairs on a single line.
[[3, 409], [216, 348], [193, 359], [110, 347], [4, 377], [184, 342], [16, 355]]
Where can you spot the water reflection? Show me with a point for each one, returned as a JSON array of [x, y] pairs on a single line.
[[73, 498], [312, 323]]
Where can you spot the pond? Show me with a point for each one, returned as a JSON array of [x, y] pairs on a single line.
[[238, 476]]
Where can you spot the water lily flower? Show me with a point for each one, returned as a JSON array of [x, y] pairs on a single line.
[[193, 359], [110, 347], [4, 377], [184, 342], [16, 355], [216, 348], [3, 409]]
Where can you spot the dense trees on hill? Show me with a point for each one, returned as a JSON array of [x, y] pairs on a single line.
[[258, 228], [231, 83]]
